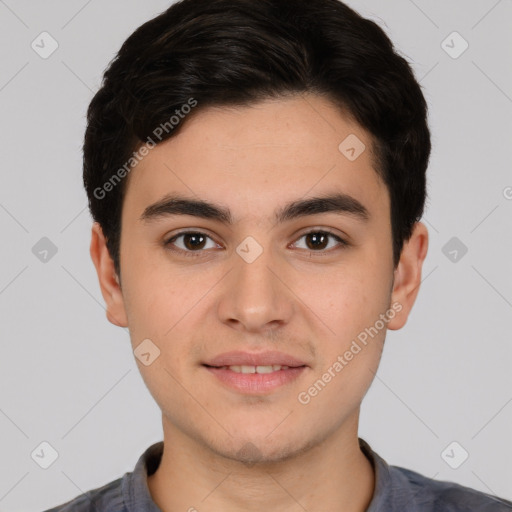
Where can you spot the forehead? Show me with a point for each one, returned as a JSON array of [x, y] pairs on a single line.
[[260, 156]]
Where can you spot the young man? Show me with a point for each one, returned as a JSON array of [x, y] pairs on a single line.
[[256, 173]]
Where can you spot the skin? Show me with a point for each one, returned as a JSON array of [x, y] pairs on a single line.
[[291, 298]]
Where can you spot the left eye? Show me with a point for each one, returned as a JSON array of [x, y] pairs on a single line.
[[318, 240]]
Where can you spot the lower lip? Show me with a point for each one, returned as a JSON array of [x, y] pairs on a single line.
[[256, 382]]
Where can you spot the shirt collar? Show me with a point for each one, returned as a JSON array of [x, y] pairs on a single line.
[[136, 495]]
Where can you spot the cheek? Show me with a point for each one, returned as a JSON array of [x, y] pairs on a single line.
[[154, 302], [168, 308], [347, 298], [350, 351]]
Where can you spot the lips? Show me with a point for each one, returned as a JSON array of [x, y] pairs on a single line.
[[255, 373], [240, 358]]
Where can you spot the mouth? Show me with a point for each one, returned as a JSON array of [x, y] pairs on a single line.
[[254, 369], [263, 360], [255, 379]]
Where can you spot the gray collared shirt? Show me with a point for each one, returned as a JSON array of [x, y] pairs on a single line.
[[396, 489]]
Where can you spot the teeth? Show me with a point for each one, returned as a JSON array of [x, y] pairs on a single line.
[[256, 369]]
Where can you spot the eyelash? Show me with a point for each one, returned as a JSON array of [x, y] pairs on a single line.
[[195, 254]]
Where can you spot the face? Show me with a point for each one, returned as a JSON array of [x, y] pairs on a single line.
[[270, 265]]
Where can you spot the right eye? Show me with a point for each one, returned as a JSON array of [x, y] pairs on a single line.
[[192, 244]]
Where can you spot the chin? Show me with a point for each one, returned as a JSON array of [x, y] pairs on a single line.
[[259, 450]]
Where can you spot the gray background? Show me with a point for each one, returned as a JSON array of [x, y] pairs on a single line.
[[69, 377]]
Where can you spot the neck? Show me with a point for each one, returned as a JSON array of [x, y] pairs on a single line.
[[331, 475]]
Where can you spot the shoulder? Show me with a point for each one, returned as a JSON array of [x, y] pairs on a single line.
[[128, 493], [428, 494], [107, 498]]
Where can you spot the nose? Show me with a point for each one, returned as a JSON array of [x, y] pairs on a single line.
[[256, 296]]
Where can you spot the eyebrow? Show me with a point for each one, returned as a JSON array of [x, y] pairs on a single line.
[[174, 204]]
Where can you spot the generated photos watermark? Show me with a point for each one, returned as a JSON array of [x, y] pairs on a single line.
[[137, 156], [304, 397]]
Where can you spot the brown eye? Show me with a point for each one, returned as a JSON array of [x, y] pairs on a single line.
[[193, 243], [318, 241]]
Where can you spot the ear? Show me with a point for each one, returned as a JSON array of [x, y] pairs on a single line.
[[407, 278], [109, 280]]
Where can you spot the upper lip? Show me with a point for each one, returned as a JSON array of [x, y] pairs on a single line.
[[240, 358]]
